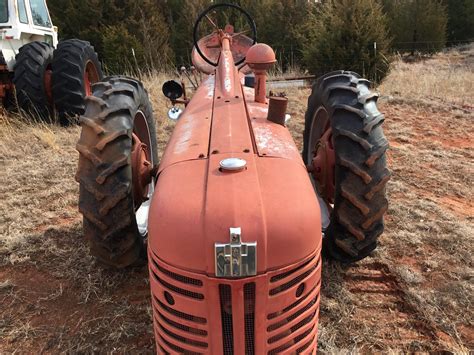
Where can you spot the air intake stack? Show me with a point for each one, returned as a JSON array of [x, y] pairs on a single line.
[[260, 58]]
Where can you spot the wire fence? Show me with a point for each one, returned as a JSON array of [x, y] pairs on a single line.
[[291, 55], [290, 58]]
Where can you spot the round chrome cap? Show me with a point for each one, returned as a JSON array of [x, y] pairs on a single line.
[[174, 113], [232, 164]]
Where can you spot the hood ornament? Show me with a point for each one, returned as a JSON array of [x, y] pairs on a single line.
[[236, 259]]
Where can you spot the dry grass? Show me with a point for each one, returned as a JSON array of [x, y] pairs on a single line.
[[414, 294], [445, 79]]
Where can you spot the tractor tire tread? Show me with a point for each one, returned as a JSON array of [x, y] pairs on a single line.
[[105, 172], [32, 61], [372, 124], [361, 171], [109, 138], [69, 65]]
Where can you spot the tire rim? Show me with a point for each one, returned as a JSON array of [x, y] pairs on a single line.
[[317, 133], [91, 76], [141, 130], [48, 84]]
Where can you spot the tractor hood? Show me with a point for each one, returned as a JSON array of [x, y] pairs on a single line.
[[196, 203]]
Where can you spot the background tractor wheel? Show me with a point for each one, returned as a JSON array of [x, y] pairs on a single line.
[[32, 79], [76, 67], [117, 152], [345, 146]]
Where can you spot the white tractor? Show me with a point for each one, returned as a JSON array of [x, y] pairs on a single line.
[[47, 76]]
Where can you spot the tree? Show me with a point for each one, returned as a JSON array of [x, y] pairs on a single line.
[[148, 25], [281, 25], [460, 20], [278, 23], [417, 25], [78, 19], [120, 26], [181, 15], [341, 35], [118, 44]]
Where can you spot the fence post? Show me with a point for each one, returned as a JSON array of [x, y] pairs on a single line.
[[375, 64]]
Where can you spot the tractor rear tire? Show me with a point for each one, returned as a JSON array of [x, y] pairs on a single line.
[[76, 67], [32, 63], [361, 172], [105, 170]]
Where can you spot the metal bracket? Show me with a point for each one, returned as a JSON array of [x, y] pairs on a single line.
[[236, 259]]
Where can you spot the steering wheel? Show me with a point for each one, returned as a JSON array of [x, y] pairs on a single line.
[[205, 15]]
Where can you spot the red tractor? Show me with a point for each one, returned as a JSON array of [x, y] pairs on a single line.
[[229, 219]]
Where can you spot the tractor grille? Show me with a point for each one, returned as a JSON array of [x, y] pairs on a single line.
[[225, 294], [249, 308], [176, 277], [291, 281], [292, 328], [295, 314], [186, 306], [180, 324]]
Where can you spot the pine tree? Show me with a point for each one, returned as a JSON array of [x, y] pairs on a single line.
[[115, 27], [147, 24], [417, 25], [78, 19], [460, 20], [181, 16], [341, 36], [118, 44], [281, 26]]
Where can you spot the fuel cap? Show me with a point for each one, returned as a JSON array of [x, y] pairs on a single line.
[[232, 164]]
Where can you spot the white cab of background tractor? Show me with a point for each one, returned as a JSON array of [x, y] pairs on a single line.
[[50, 78], [22, 22]]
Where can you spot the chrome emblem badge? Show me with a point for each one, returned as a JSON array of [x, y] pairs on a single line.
[[236, 259]]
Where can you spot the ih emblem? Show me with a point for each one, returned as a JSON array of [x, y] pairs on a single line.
[[236, 259]]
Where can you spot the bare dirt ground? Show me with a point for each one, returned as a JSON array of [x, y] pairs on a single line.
[[414, 294]]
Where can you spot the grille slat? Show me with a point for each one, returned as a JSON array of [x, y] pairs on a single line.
[[172, 323], [163, 351], [186, 342], [305, 346], [292, 329], [179, 314], [287, 321], [292, 342], [174, 347], [293, 282], [180, 278], [291, 306], [181, 291], [290, 272]]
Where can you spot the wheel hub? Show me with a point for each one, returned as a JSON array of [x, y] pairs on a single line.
[[48, 85], [323, 167], [91, 76], [142, 171]]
